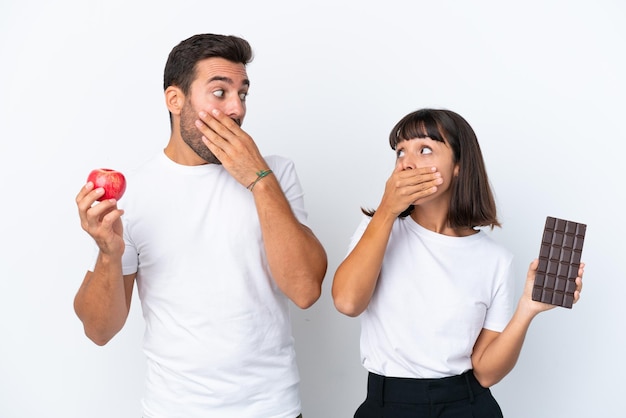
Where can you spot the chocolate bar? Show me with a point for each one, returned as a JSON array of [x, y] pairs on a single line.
[[559, 260]]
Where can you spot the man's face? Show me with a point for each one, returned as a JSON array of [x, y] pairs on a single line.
[[219, 84]]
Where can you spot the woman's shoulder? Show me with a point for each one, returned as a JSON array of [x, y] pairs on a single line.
[[491, 244]]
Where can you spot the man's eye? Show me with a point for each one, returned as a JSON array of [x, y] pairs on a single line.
[[242, 96], [427, 150], [218, 93]]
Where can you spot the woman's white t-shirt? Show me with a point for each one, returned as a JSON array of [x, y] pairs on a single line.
[[434, 295]]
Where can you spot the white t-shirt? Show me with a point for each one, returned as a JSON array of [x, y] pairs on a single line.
[[434, 296], [218, 335]]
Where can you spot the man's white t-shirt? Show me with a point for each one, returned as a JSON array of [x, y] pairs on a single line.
[[218, 336], [434, 296]]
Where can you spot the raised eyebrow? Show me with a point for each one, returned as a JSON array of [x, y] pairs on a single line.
[[228, 80]]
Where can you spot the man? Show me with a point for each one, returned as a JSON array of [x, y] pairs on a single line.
[[216, 261]]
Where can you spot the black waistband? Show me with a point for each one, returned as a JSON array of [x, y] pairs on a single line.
[[423, 391]]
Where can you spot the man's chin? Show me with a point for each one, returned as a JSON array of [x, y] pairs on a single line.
[[211, 159]]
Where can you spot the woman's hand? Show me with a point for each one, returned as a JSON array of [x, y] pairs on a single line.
[[408, 187], [531, 307]]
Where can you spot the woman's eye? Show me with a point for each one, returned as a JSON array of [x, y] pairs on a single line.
[[399, 153], [218, 93], [427, 150]]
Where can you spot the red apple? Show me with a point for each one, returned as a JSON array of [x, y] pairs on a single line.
[[113, 182]]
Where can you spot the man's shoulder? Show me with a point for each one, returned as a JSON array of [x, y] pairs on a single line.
[[280, 164], [146, 165], [278, 159]]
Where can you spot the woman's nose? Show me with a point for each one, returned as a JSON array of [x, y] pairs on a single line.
[[407, 163]]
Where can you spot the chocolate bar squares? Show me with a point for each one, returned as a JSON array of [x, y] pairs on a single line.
[[559, 259]]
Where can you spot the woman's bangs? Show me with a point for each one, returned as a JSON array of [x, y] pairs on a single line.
[[418, 127]]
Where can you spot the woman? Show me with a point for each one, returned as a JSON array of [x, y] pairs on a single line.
[[434, 292]]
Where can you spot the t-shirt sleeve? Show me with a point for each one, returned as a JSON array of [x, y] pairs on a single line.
[[501, 309], [130, 259], [285, 171], [358, 233], [94, 256]]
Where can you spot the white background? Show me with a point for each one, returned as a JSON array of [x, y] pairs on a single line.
[[541, 82]]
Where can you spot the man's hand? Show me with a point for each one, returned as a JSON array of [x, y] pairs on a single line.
[[101, 221], [235, 149]]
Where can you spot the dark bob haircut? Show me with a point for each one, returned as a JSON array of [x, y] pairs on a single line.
[[472, 203]]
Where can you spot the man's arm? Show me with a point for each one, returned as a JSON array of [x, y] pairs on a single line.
[[103, 300], [297, 259]]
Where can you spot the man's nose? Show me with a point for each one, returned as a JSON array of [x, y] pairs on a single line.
[[235, 108]]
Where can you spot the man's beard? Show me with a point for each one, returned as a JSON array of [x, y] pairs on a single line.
[[192, 136]]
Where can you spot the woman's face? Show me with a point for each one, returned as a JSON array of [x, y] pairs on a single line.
[[426, 152]]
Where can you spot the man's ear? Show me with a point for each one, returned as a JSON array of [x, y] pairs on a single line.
[[174, 99]]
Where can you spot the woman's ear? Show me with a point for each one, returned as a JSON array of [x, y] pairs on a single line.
[[457, 167], [174, 99]]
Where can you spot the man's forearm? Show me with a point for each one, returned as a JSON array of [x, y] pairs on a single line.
[[296, 258], [101, 303]]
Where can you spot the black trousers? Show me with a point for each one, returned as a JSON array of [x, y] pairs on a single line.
[[450, 397]]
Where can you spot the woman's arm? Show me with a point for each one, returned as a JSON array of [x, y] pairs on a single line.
[[356, 277], [495, 354]]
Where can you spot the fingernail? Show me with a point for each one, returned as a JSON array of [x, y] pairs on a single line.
[[202, 114]]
